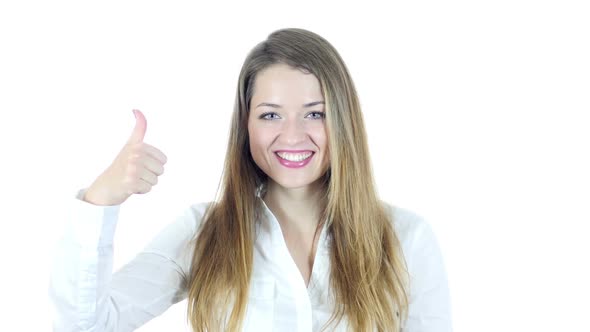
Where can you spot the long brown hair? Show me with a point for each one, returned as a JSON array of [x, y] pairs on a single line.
[[368, 274]]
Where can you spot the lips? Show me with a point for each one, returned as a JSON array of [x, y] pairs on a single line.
[[291, 163]]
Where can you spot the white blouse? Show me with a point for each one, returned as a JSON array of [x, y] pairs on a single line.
[[87, 296]]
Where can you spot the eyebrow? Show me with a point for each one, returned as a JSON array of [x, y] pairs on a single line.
[[279, 106]]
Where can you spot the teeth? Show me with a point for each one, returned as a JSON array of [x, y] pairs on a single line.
[[294, 156]]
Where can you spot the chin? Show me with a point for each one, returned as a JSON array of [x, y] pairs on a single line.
[[294, 183]]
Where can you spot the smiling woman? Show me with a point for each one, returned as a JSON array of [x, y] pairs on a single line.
[[336, 252], [297, 239]]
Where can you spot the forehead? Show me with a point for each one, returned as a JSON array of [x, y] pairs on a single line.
[[285, 82]]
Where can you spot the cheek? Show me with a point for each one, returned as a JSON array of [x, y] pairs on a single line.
[[252, 135], [258, 140], [321, 138], [324, 146]]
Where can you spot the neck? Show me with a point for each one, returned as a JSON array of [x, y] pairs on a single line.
[[297, 210]]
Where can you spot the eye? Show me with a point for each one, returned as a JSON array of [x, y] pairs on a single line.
[[318, 115], [265, 116]]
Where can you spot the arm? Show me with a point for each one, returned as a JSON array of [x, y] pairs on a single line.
[[86, 295], [430, 307]]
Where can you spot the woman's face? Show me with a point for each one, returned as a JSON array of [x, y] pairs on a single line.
[[286, 126]]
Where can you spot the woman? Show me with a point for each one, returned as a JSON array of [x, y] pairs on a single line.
[[297, 238]]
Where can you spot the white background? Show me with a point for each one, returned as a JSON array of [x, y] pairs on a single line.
[[477, 115]]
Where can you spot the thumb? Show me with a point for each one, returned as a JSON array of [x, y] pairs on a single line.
[[140, 127]]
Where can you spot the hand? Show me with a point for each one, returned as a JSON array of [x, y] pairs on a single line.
[[135, 170]]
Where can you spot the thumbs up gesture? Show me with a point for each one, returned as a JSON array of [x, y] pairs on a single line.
[[135, 170]]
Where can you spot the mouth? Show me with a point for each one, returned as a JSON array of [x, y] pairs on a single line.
[[294, 160], [294, 156]]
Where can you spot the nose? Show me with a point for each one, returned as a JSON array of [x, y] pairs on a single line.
[[293, 132]]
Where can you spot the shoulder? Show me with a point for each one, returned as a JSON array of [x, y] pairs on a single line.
[[182, 228], [194, 214], [414, 232], [407, 223], [174, 240]]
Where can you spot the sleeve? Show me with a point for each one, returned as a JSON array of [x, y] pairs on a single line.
[[430, 306], [87, 296]]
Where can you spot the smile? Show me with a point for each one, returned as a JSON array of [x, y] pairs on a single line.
[[294, 160], [294, 156]]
